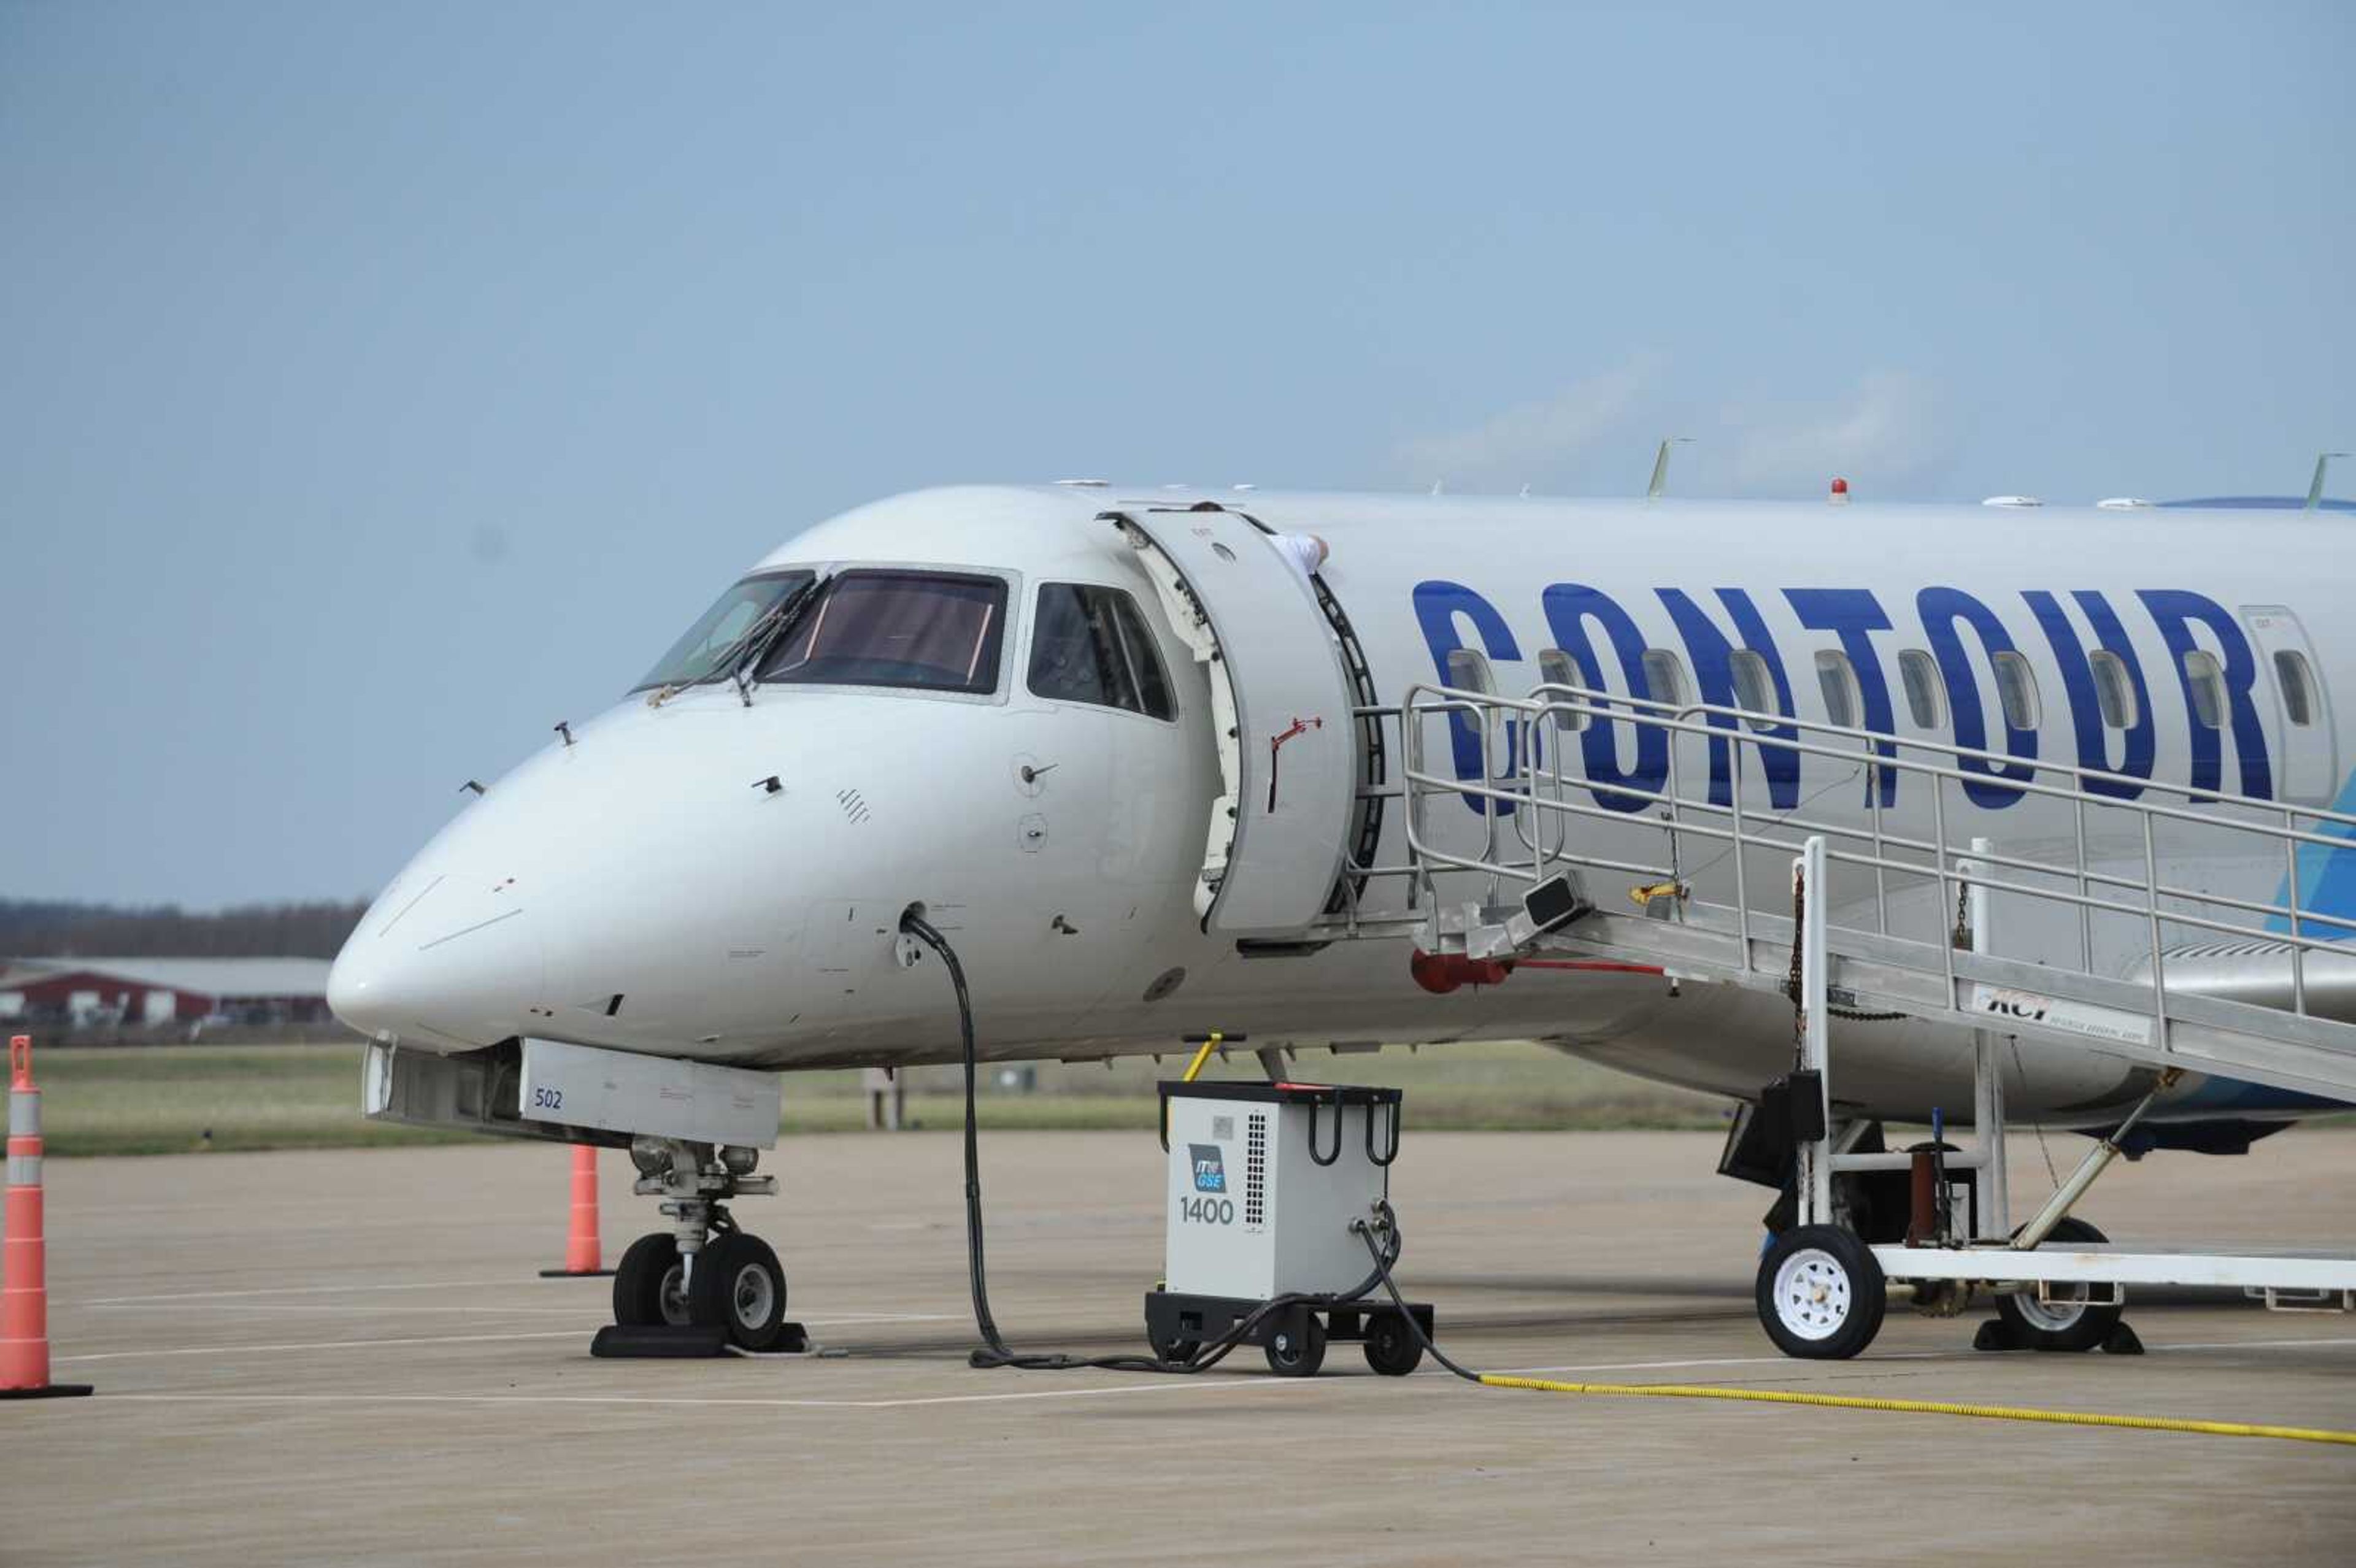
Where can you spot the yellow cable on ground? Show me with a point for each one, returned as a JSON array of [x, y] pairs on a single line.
[[1930, 1407]]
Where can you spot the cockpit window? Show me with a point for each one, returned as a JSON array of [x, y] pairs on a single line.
[[710, 646], [934, 631], [1092, 645]]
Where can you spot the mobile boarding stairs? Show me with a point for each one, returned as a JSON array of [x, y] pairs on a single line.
[[2143, 983]]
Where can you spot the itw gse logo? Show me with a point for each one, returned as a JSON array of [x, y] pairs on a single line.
[[1210, 1170]]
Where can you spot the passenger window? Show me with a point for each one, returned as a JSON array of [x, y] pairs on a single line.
[[1664, 677], [1926, 693], [1754, 686], [1468, 670], [1838, 678], [2015, 687], [928, 630], [2206, 682], [1555, 669], [2114, 689], [2297, 688], [1090, 645]]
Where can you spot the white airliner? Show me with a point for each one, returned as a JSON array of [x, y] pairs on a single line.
[[1104, 740]]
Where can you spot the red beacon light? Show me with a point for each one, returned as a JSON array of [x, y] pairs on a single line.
[[1839, 497]]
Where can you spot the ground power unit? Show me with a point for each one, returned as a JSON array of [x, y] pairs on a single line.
[[1266, 1181]]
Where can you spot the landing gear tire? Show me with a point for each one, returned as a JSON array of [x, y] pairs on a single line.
[[2059, 1325], [736, 1285], [650, 1285], [1820, 1294], [1298, 1348], [1392, 1347]]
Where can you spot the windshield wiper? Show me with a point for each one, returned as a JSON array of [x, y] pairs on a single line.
[[745, 647], [765, 634]]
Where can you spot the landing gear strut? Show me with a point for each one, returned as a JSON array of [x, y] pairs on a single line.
[[703, 1272]]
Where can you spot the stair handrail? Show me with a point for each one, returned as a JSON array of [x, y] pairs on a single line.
[[1546, 705]]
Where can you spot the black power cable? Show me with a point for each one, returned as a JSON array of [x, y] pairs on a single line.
[[993, 1351], [1390, 1221]]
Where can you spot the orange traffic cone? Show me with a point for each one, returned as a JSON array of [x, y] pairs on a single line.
[[581, 1254], [24, 1282]]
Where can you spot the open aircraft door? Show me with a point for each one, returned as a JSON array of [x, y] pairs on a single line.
[[1280, 709], [2309, 744]]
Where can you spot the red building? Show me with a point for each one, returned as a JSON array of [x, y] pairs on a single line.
[[131, 992]]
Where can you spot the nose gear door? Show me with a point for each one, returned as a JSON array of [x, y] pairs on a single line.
[[1280, 710]]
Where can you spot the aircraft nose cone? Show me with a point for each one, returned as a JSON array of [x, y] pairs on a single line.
[[444, 959]]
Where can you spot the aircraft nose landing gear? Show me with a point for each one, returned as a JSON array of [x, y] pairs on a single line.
[[703, 1286], [738, 1285]]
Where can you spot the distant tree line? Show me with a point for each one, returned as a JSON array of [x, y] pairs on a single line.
[[34, 929]]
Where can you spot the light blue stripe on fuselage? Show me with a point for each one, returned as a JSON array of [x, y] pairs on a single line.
[[2327, 880], [2231, 1096]]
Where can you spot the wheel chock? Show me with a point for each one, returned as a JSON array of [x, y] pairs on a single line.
[[1994, 1336], [660, 1341], [664, 1342], [2123, 1341]]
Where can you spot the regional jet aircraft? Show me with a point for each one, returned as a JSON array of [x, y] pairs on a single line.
[[1147, 776]]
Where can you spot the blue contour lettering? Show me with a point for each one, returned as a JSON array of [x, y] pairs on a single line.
[[1855, 614], [1713, 664], [1437, 606], [1568, 607], [2173, 611], [2085, 706], [1940, 610]]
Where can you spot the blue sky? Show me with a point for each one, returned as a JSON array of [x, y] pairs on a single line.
[[383, 384]]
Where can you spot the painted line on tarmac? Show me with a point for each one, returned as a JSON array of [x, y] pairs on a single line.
[[442, 1339], [1165, 1385], [2252, 1345], [307, 1290], [314, 1345], [320, 1309], [414, 1342], [483, 1310], [1664, 1366], [1439, 1371], [1957, 1356]]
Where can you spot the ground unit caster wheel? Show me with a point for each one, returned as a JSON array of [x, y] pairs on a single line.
[[650, 1285], [1820, 1294], [1298, 1348], [1392, 1347], [736, 1285], [2059, 1324]]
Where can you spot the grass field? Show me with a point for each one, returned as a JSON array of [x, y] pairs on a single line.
[[173, 1099]]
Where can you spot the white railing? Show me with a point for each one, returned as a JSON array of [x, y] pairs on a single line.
[[1537, 787]]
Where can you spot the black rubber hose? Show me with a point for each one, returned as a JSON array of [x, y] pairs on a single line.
[[993, 1351], [1390, 1221]]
